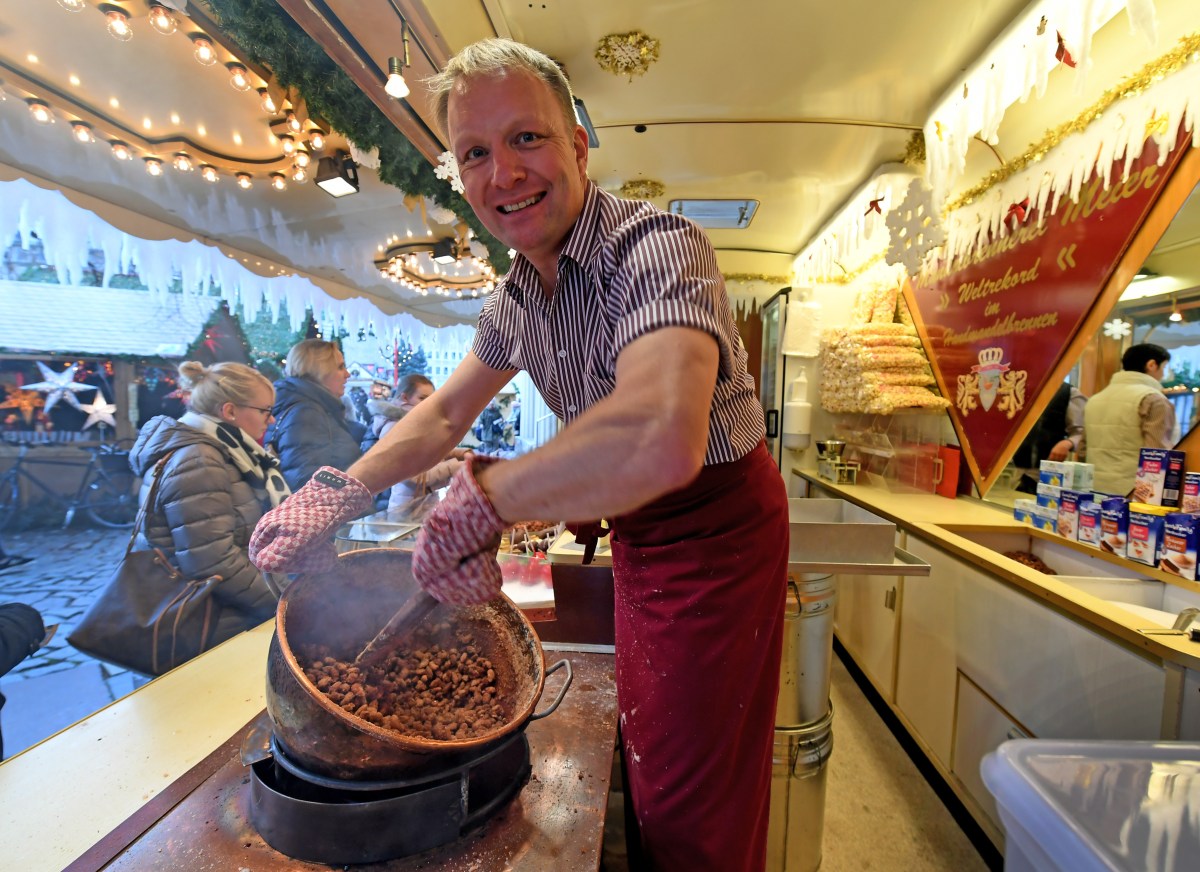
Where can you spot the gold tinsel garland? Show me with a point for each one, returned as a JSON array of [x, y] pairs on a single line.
[[914, 151], [1186, 52], [642, 189], [628, 54], [756, 277], [844, 278]]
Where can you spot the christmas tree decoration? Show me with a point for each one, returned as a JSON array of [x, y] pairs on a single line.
[[99, 411], [60, 386]]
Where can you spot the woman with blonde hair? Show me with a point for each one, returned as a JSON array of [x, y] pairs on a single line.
[[311, 429], [215, 482], [411, 390]]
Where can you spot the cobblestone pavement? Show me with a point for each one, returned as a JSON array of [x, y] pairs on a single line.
[[68, 570]]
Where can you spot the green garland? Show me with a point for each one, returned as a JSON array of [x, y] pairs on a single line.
[[268, 35]]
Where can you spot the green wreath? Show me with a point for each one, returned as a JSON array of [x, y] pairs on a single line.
[[268, 35]]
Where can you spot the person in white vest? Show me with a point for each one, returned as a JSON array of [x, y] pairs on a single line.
[[1130, 414]]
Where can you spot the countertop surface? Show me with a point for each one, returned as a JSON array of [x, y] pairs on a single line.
[[941, 522], [64, 795]]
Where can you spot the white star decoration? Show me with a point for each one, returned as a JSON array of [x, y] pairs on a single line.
[[99, 411], [59, 386], [1117, 329], [447, 169]]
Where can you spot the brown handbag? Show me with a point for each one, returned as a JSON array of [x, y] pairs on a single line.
[[149, 617]]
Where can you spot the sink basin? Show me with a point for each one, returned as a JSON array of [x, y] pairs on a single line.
[[835, 531]]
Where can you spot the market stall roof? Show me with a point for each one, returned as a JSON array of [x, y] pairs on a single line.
[[69, 319]]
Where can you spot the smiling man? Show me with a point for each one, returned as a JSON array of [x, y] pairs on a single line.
[[619, 313]]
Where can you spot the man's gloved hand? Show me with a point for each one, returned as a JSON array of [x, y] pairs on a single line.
[[454, 560], [296, 535]]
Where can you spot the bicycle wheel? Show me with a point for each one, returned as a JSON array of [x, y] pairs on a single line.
[[112, 499], [10, 501]]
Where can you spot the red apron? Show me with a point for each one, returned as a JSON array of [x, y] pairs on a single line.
[[700, 578]]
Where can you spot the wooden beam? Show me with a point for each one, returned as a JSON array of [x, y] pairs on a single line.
[[335, 38]]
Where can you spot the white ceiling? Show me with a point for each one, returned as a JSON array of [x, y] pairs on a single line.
[[793, 103]]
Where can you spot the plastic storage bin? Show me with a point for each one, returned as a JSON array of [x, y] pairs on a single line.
[[1094, 805]]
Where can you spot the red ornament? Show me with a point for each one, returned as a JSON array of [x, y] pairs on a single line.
[[1018, 211], [1062, 54], [874, 206]]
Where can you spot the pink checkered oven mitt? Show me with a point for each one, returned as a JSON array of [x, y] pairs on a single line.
[[454, 560], [297, 535]]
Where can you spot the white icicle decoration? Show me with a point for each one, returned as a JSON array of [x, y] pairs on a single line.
[[1017, 64]]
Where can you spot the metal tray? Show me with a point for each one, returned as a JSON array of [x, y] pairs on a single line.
[[832, 531], [902, 563]]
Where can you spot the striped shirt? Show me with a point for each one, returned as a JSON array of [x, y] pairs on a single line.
[[627, 269]]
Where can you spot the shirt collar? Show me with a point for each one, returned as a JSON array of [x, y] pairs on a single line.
[[580, 246]]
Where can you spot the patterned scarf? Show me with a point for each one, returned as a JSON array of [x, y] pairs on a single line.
[[257, 465]]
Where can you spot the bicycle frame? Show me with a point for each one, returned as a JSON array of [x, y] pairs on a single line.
[[93, 473]]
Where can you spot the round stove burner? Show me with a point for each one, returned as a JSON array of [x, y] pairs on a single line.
[[328, 820]]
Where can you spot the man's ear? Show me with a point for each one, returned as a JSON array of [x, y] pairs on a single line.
[[581, 150]]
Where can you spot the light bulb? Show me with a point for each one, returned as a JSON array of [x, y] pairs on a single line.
[[118, 24], [395, 86], [205, 54], [1175, 316], [243, 180], [299, 175], [162, 20], [40, 111], [82, 132], [154, 166], [316, 140], [72, 5], [302, 158], [293, 122], [182, 162], [238, 78], [278, 181], [209, 173], [287, 144], [121, 151], [268, 102]]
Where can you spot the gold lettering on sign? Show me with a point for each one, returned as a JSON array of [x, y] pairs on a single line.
[[986, 287], [1000, 327], [1096, 197]]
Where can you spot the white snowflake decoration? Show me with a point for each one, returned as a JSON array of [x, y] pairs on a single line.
[[440, 214], [99, 411], [447, 168], [1117, 329], [915, 227], [59, 386]]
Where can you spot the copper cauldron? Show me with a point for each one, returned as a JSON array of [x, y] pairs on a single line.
[[343, 611]]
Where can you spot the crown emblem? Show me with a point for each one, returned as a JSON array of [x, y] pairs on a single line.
[[990, 359]]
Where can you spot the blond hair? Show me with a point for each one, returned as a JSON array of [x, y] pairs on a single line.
[[313, 359], [213, 386], [490, 57]]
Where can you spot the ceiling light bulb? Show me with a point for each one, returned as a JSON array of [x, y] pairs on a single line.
[[268, 102], [82, 132], [238, 78], [316, 140], [153, 166], [205, 54], [72, 5], [118, 24], [395, 86], [293, 122], [288, 144], [299, 175], [121, 151], [182, 162], [209, 173], [40, 111], [1175, 316], [302, 158], [278, 181], [162, 20], [243, 180]]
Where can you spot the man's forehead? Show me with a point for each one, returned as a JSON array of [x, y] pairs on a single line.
[[521, 83]]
